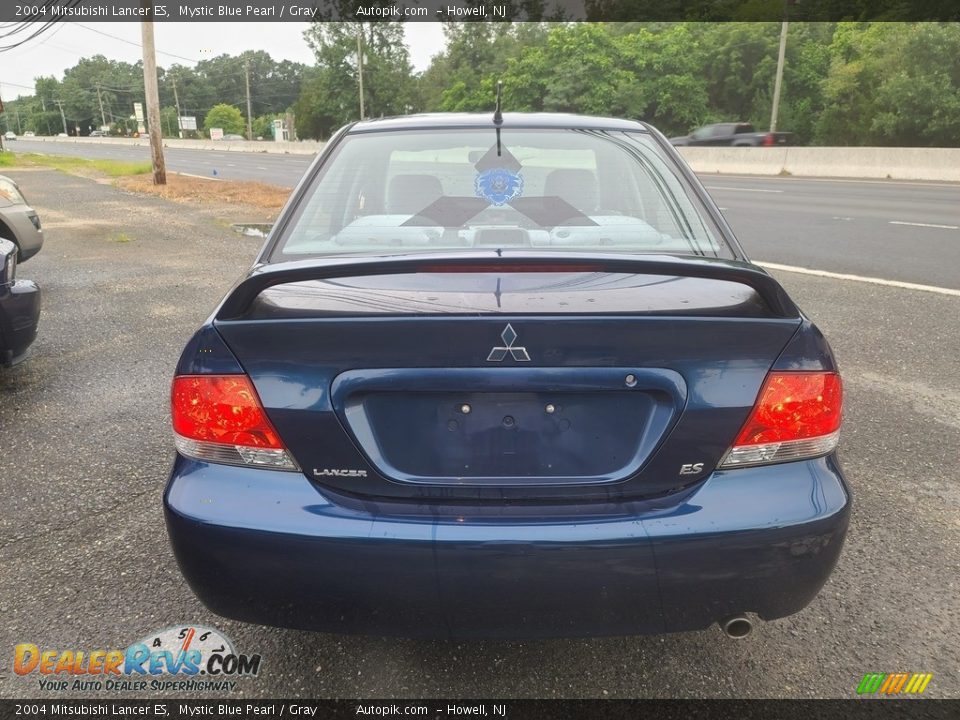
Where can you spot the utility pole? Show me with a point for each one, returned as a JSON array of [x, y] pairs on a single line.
[[779, 80], [152, 95], [62, 116], [103, 116], [16, 110], [246, 70], [176, 104], [360, 66]]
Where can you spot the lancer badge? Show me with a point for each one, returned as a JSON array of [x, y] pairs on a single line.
[[509, 337]]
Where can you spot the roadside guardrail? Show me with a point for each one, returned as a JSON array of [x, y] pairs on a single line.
[[933, 164]]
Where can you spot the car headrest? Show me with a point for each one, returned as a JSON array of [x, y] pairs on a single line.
[[577, 187], [409, 194]]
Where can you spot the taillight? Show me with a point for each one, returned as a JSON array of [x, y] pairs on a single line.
[[219, 418], [796, 416], [768, 139]]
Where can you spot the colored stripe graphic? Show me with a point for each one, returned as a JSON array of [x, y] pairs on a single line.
[[870, 683], [894, 683], [898, 685]]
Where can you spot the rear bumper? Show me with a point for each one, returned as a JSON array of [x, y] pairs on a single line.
[[267, 547], [19, 318]]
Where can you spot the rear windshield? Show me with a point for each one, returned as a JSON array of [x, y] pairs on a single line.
[[586, 190]]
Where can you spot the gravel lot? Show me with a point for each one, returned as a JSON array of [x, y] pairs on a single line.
[[84, 560]]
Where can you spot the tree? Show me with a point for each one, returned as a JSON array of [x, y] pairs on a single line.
[[330, 95], [462, 77], [168, 122], [577, 69], [97, 80], [872, 96], [667, 86], [226, 117], [263, 127]]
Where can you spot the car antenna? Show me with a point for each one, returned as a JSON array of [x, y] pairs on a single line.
[[497, 114]]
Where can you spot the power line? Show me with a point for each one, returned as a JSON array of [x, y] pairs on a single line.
[[135, 44], [38, 27], [24, 87]]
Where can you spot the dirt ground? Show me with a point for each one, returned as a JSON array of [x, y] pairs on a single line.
[[210, 191]]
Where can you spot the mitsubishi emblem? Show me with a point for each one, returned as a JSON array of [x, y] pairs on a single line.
[[509, 337]]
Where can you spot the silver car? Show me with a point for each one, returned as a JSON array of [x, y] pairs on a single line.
[[19, 222]]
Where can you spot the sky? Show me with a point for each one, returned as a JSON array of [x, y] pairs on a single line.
[[62, 46]]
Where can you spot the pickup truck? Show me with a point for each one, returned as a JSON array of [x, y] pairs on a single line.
[[733, 134]]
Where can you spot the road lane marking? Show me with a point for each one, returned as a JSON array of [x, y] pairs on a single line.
[[194, 175], [860, 278], [928, 225], [723, 187]]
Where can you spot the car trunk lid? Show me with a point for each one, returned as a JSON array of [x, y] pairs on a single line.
[[433, 383]]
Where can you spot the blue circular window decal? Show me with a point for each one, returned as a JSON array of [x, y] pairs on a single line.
[[499, 186]]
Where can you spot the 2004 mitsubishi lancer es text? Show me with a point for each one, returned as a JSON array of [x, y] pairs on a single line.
[[508, 376]]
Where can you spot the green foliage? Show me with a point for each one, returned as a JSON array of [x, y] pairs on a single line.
[[893, 84], [462, 77], [668, 87], [226, 117], [844, 84], [99, 91], [168, 122], [263, 127], [84, 166], [331, 93], [852, 83]]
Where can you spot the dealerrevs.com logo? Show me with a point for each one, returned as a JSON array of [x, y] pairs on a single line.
[[184, 658]]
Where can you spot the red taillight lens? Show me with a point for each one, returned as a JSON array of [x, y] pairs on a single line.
[[797, 415], [221, 409], [769, 139], [794, 406]]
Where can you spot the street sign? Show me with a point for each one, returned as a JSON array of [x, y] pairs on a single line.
[[216, 133], [138, 111], [188, 122]]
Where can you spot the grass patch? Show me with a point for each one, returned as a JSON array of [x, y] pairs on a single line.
[[184, 188], [76, 165], [80, 166]]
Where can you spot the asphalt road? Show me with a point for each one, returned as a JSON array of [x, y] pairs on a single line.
[[86, 446], [271, 168], [907, 232]]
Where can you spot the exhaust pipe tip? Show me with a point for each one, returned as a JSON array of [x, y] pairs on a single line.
[[736, 627]]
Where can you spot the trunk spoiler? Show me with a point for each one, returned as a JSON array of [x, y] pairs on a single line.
[[239, 299]]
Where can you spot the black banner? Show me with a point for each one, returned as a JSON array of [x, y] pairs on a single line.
[[475, 10], [855, 709]]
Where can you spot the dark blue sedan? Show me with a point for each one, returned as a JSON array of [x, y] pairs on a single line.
[[505, 376]]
